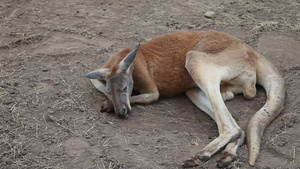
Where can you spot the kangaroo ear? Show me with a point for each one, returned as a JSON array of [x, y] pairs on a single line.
[[128, 60], [97, 74]]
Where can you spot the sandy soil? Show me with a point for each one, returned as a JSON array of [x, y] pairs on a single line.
[[50, 118]]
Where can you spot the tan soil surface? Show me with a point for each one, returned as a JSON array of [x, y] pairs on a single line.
[[50, 118]]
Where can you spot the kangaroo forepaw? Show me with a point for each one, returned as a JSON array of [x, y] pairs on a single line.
[[195, 161], [107, 106], [226, 160]]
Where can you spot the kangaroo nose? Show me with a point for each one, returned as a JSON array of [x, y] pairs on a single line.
[[122, 113]]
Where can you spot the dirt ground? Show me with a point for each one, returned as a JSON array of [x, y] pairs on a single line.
[[50, 118]]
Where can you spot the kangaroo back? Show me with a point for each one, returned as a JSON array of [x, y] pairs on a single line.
[[268, 77]]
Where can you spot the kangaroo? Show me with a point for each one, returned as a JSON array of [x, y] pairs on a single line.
[[210, 67]]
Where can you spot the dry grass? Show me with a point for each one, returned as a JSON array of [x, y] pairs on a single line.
[[265, 26], [87, 33], [281, 17]]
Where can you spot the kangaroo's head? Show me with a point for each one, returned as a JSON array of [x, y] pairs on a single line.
[[119, 82]]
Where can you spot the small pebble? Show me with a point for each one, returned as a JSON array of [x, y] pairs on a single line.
[[194, 26], [135, 143], [210, 14], [48, 142], [51, 111], [291, 124], [108, 122], [53, 140]]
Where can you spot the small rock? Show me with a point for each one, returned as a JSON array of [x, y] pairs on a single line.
[[289, 125], [135, 143], [194, 26], [175, 132], [191, 26], [210, 14], [48, 142], [53, 140], [108, 122], [51, 111], [45, 69]]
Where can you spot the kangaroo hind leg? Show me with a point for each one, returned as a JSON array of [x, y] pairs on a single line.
[[208, 76], [199, 98]]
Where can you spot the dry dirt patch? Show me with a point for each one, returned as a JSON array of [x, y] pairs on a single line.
[[49, 116]]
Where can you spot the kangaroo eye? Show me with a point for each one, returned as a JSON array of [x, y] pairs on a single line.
[[107, 91], [124, 89]]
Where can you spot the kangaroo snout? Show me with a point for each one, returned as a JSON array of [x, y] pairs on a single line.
[[123, 112]]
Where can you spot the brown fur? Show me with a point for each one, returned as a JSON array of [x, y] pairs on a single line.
[[170, 76]]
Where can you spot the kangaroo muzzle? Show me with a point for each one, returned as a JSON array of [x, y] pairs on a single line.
[[123, 111]]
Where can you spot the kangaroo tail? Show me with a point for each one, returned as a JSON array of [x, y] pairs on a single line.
[[268, 77]]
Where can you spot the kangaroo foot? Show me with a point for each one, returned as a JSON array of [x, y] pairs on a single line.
[[226, 160], [107, 106]]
